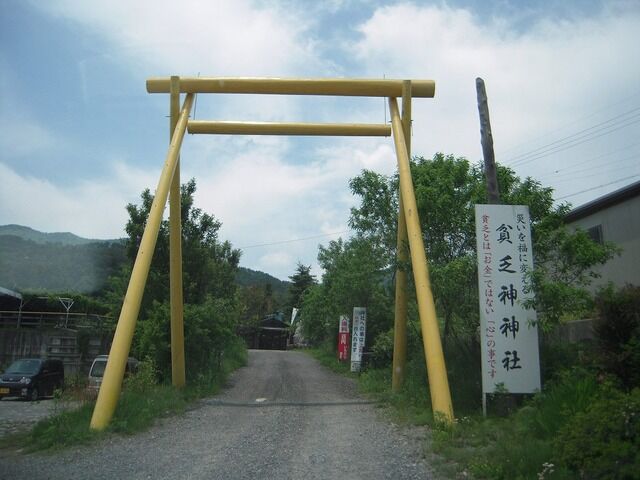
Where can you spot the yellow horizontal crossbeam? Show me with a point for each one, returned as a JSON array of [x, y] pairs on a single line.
[[273, 128], [295, 86]]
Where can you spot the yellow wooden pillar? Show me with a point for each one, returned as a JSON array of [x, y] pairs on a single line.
[[114, 372], [436, 369], [175, 253], [402, 256]]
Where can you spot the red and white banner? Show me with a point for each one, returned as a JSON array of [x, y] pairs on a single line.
[[343, 339]]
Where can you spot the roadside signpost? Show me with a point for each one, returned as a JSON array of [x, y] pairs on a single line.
[[343, 339], [508, 330], [359, 334]]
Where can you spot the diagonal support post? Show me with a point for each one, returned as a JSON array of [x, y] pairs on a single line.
[[436, 369], [119, 353]]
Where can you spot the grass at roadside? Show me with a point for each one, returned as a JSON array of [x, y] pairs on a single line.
[[328, 359], [142, 402], [547, 438]]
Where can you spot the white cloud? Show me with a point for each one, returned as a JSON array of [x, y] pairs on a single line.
[[93, 209], [215, 38], [268, 189], [22, 137], [536, 79]]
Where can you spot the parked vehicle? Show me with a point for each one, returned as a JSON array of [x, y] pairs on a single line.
[[97, 371], [32, 378]]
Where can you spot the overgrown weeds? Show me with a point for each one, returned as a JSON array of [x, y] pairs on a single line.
[[578, 427]]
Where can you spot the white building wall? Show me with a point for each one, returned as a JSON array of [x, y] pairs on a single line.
[[620, 224]]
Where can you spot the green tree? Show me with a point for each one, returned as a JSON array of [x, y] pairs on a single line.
[[211, 310], [356, 275], [209, 265], [257, 302], [301, 281], [447, 188]]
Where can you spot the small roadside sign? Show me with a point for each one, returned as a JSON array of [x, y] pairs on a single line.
[[343, 339]]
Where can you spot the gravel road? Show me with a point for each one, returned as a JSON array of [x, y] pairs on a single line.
[[282, 417]]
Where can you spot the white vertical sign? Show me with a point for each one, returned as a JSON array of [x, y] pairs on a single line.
[[343, 326], [508, 333], [358, 334]]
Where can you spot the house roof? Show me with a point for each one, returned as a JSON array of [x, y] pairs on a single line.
[[630, 191], [10, 293], [272, 323]]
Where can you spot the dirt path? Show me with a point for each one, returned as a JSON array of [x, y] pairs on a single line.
[[284, 416]]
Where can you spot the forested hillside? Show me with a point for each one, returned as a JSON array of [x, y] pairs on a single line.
[[84, 268], [247, 278], [62, 261], [28, 233]]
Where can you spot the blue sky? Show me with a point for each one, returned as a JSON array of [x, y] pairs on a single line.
[[80, 137]]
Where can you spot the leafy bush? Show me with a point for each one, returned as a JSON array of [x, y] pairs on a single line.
[[618, 333], [208, 332], [604, 441], [382, 350], [144, 379], [570, 394]]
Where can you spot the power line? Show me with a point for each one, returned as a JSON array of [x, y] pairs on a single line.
[[566, 126], [621, 164], [292, 240], [585, 135], [595, 188], [589, 160]]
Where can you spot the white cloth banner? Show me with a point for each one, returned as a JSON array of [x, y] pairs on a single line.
[[358, 335], [508, 334], [343, 325]]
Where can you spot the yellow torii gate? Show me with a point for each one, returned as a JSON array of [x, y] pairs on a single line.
[[169, 187]]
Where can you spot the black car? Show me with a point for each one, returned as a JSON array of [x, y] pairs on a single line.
[[32, 378]]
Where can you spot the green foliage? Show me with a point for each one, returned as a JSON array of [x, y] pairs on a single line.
[[70, 427], [259, 295], [618, 333], [447, 188], [317, 316], [355, 275], [257, 302], [208, 329], [144, 379], [382, 350], [326, 355], [564, 268], [604, 441], [209, 265], [571, 393], [301, 281]]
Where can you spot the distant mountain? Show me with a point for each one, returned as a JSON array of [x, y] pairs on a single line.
[[64, 238], [58, 267], [247, 278], [59, 262]]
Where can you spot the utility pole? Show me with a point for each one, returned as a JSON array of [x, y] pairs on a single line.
[[491, 177], [486, 139]]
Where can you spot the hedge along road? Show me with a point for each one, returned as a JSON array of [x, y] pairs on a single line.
[[282, 417]]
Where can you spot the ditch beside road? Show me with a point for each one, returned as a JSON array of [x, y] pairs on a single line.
[[283, 416]]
